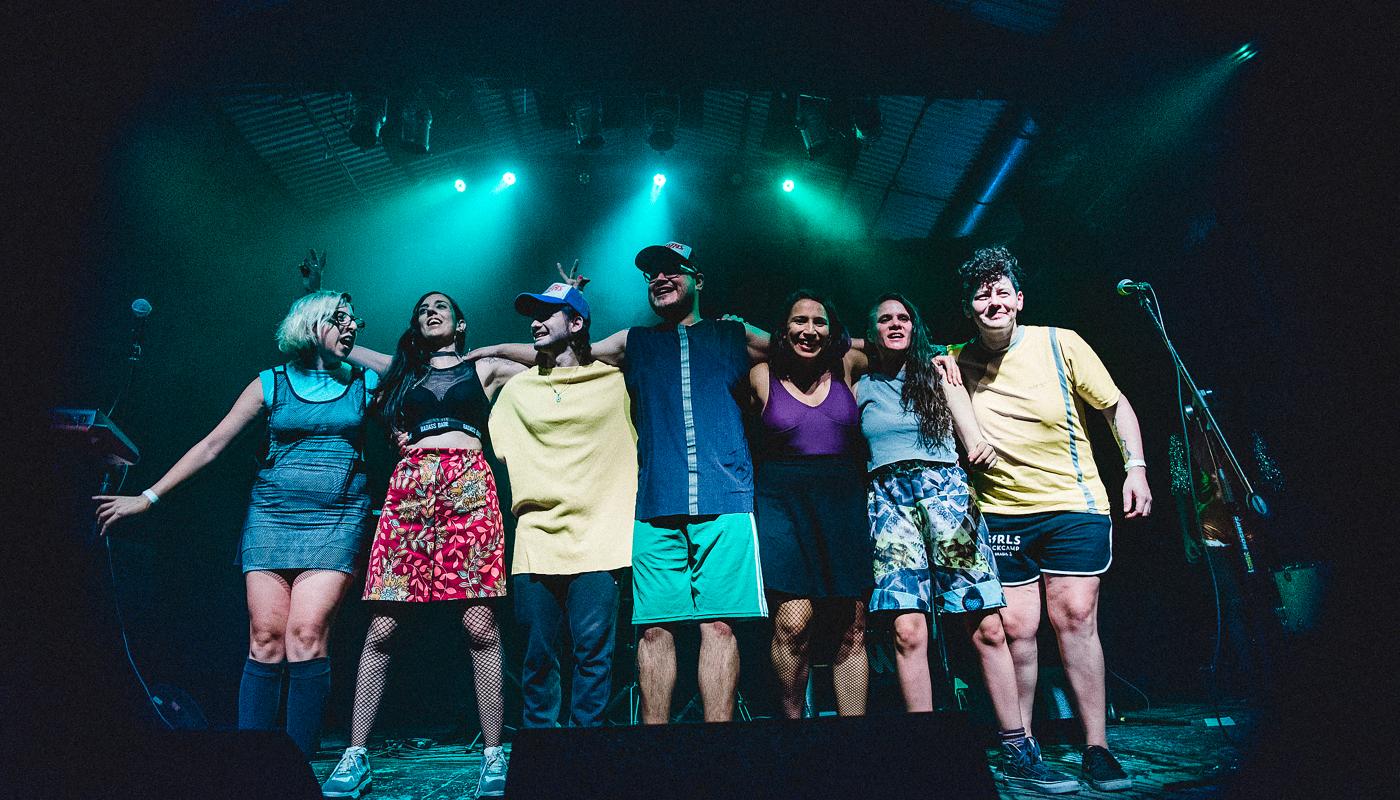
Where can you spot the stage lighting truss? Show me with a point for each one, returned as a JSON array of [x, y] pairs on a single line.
[[662, 112], [586, 118], [369, 112]]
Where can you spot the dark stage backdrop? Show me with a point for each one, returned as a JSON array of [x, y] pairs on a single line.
[[191, 220]]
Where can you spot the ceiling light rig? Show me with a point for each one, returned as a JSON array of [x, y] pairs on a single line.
[[415, 124], [662, 113], [812, 124], [369, 113], [586, 118]]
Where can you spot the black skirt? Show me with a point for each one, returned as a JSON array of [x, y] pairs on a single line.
[[813, 528]]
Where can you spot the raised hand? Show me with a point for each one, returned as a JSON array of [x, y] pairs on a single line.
[[572, 277], [312, 268]]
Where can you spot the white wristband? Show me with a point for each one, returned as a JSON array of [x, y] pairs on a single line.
[[1135, 462], [151, 497]]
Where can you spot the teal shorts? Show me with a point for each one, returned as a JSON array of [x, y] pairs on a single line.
[[694, 569]]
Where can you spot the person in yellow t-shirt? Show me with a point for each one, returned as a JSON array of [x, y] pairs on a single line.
[[564, 430], [1044, 503]]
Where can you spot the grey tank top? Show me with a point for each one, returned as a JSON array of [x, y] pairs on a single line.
[[892, 430]]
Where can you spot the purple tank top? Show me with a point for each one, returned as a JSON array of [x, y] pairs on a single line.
[[792, 428]]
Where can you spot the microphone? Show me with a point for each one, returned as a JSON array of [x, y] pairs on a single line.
[[1128, 286], [140, 309]]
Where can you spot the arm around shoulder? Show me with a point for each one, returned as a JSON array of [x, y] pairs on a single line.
[[613, 349]]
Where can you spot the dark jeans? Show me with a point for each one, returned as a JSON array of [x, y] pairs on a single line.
[[588, 602]]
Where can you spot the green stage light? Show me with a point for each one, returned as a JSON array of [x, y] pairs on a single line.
[[460, 185], [658, 180], [508, 179], [789, 185]]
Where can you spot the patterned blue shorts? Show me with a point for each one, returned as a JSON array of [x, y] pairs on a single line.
[[922, 514]]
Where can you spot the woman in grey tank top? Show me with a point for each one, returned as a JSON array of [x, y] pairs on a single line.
[[932, 550], [307, 514]]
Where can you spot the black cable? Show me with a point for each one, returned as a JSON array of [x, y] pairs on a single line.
[[121, 618]]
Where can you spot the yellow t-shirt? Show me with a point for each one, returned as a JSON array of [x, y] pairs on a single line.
[[571, 454], [1029, 400]]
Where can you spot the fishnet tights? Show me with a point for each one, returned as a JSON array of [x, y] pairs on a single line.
[[484, 644], [790, 651]]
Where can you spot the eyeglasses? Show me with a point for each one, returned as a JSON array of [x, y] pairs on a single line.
[[674, 271], [342, 320]]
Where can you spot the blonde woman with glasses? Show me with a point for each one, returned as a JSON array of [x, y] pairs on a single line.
[[306, 520]]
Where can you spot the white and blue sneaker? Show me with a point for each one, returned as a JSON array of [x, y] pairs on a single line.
[[350, 778], [492, 782]]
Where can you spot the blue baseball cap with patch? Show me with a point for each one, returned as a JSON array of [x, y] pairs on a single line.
[[558, 295]]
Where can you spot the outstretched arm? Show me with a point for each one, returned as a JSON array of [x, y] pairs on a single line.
[[370, 359], [979, 451], [1137, 496], [523, 354], [757, 339], [494, 372], [612, 350], [245, 410]]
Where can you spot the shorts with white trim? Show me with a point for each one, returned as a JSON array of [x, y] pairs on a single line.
[[1051, 542], [693, 569]]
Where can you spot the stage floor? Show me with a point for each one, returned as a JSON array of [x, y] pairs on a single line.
[[1171, 752]]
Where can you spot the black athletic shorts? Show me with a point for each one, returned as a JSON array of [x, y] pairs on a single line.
[[1053, 542]]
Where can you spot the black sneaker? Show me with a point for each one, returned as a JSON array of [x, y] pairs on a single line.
[[1025, 769], [1102, 771]]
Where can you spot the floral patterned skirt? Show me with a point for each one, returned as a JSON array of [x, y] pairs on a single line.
[[440, 535], [931, 545]]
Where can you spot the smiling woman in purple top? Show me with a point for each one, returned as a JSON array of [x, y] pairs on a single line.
[[810, 500]]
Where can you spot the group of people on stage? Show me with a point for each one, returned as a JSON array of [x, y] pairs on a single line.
[[632, 451]]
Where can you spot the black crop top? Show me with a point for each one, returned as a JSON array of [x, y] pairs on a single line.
[[446, 400]]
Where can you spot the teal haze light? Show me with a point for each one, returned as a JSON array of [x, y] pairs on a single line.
[[460, 185], [789, 185]]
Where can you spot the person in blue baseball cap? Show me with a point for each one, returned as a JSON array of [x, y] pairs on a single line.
[[564, 429]]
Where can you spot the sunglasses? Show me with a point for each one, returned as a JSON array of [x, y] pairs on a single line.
[[674, 271]]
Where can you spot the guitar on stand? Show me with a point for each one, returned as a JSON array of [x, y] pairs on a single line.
[[1217, 495]]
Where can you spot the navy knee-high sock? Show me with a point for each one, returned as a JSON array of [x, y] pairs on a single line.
[[258, 694], [308, 684]]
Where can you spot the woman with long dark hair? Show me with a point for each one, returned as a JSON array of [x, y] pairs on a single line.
[[307, 514], [440, 536], [932, 552], [809, 500]]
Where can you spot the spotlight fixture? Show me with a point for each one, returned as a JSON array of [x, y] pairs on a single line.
[[583, 175], [415, 123], [789, 185], [1245, 53], [586, 118], [662, 113], [370, 111], [866, 119], [812, 124], [460, 185], [658, 180]]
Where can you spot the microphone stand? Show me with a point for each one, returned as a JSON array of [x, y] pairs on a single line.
[[1148, 300]]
